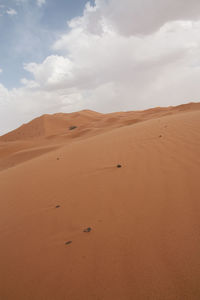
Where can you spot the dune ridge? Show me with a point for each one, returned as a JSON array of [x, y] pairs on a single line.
[[144, 218], [59, 123], [47, 132]]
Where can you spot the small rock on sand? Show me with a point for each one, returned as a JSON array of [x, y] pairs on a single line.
[[87, 229], [69, 242]]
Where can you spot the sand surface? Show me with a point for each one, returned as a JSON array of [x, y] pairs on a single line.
[[144, 217]]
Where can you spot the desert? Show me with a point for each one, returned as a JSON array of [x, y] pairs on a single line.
[[102, 206]]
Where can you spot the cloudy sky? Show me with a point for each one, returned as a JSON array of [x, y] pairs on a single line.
[[105, 55]]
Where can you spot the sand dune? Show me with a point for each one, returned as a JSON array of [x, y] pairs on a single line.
[[52, 126], [144, 217]]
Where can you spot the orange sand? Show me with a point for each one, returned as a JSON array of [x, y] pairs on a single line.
[[145, 216]]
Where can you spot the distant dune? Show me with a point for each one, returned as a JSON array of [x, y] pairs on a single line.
[[102, 206]]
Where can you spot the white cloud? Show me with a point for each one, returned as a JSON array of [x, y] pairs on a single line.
[[107, 63], [31, 84], [11, 12], [41, 2], [130, 17], [1, 70], [52, 72]]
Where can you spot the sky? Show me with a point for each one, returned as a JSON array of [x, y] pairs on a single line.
[[104, 55]]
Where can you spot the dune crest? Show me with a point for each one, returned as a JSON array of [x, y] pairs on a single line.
[[59, 123]]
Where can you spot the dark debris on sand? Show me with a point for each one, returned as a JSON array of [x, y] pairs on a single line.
[[72, 127], [87, 229], [119, 166], [68, 243]]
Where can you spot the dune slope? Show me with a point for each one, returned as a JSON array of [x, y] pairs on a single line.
[[144, 217]]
